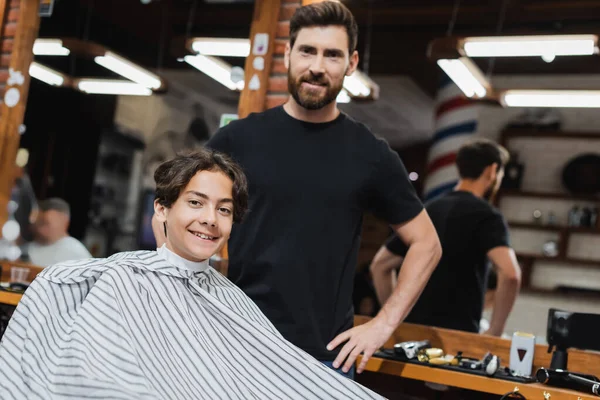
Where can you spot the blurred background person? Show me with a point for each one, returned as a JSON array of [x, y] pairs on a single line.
[[52, 243], [471, 232]]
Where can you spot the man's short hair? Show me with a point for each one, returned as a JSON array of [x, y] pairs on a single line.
[[476, 155], [56, 204], [173, 176], [326, 13]]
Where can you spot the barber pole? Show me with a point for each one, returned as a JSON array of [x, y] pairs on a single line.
[[455, 123]]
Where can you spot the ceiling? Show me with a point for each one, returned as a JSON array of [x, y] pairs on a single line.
[[393, 33], [393, 40]]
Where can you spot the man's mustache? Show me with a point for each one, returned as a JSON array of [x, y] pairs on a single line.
[[314, 81]]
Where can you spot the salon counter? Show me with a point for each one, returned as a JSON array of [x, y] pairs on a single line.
[[10, 298], [383, 371]]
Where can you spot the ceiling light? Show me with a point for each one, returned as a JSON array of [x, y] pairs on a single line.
[[466, 76], [223, 47], [548, 58], [551, 98], [449, 53], [50, 47], [129, 70], [45, 74], [117, 87], [528, 46], [356, 85], [216, 69]]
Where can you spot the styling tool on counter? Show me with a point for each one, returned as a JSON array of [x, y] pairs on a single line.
[[411, 348], [522, 352], [569, 380], [490, 364]]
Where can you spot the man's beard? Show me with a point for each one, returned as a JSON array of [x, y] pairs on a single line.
[[308, 99], [490, 193]]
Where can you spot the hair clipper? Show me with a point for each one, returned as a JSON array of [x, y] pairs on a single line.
[[410, 349]]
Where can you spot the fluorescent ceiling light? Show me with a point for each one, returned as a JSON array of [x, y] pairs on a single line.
[[221, 47], [50, 47], [45, 74], [129, 70], [551, 98], [216, 69], [358, 84], [466, 76], [117, 87], [343, 97], [527, 46]]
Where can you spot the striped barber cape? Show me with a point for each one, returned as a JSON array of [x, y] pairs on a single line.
[[134, 326]]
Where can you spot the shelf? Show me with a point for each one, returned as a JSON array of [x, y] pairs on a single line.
[[548, 134], [582, 229], [555, 228], [563, 292], [525, 225], [547, 195], [562, 260]]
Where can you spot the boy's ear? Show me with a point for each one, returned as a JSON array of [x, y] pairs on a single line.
[[160, 211], [159, 224]]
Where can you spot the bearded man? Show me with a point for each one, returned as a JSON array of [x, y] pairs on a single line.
[[313, 171], [472, 232]]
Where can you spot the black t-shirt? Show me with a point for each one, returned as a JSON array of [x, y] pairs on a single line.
[[468, 227], [296, 251]]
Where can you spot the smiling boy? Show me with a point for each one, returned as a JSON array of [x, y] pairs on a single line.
[[160, 324]]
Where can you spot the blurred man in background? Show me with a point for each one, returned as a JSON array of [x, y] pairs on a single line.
[[471, 232], [52, 243]]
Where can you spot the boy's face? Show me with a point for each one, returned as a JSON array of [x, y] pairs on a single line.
[[199, 222]]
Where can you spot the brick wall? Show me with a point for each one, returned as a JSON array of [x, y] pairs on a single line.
[[7, 38], [277, 92]]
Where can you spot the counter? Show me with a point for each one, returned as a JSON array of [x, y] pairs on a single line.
[[9, 297], [473, 345]]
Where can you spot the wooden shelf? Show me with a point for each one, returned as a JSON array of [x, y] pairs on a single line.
[[547, 134], [565, 233], [582, 229], [562, 260], [564, 292], [547, 195], [555, 228], [525, 225]]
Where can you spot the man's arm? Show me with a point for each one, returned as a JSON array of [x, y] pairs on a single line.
[[423, 255], [507, 289], [382, 269]]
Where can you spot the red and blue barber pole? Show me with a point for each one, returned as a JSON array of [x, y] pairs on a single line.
[[455, 123]]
